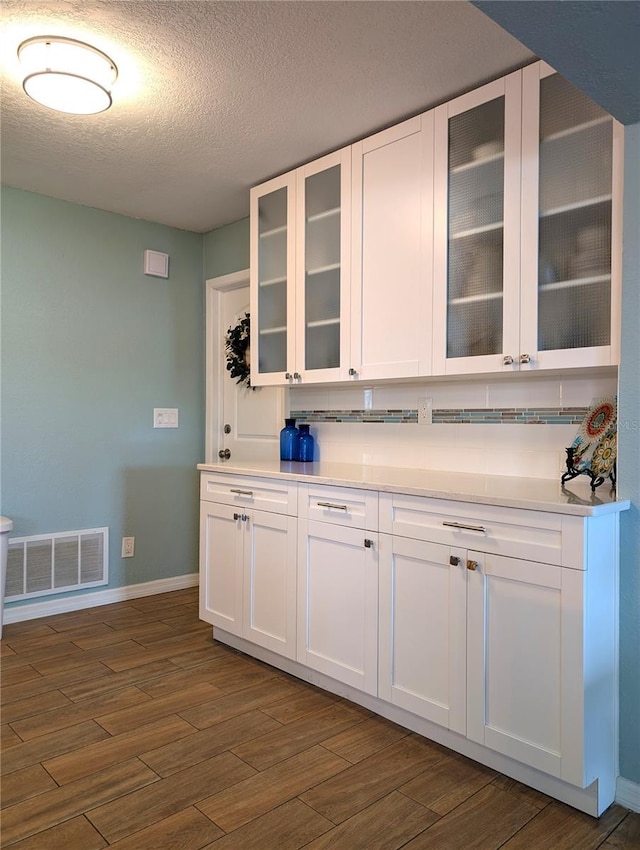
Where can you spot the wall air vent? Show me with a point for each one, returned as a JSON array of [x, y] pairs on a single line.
[[53, 563]]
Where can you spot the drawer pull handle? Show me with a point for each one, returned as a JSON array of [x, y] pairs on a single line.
[[454, 560], [331, 505], [242, 492], [479, 528], [368, 544], [472, 565], [236, 516]]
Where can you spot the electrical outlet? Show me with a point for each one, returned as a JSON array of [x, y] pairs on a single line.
[[425, 410], [128, 547]]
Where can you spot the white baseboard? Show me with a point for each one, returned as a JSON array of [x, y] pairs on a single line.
[[48, 607], [628, 794]]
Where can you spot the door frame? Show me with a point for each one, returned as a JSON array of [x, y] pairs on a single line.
[[214, 371]]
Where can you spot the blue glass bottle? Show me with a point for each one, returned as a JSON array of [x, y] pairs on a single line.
[[289, 440], [306, 445]]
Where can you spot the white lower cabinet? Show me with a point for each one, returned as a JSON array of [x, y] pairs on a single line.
[[491, 629], [422, 651], [338, 602], [248, 574]]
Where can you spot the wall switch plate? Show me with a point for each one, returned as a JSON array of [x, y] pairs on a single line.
[[425, 411], [128, 547], [165, 417]]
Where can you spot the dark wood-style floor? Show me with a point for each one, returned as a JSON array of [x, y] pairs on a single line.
[[127, 726]]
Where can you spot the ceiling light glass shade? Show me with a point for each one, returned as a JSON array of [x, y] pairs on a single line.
[[67, 75]]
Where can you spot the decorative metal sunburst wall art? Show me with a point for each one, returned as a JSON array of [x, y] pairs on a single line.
[[238, 350], [593, 451]]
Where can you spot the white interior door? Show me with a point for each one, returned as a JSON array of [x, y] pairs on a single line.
[[243, 420]]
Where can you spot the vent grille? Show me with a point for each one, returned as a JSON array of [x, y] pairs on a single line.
[[51, 563]]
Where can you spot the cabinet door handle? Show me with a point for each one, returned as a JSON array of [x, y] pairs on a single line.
[[331, 505], [507, 360], [461, 525], [244, 517], [368, 544], [454, 560], [287, 376], [236, 516], [352, 371], [296, 376], [525, 358], [224, 454], [242, 492], [472, 565]]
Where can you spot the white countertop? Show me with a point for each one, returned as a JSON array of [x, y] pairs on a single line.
[[538, 494]]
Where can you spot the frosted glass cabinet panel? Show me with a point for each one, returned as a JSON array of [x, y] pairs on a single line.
[[571, 156], [477, 234], [272, 272], [322, 267]]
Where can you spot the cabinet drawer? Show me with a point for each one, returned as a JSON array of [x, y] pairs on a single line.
[[531, 535], [346, 506], [265, 494]]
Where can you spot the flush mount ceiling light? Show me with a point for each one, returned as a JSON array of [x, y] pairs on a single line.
[[67, 75]]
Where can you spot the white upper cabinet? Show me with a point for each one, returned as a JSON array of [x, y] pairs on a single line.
[[527, 228], [300, 256], [477, 228], [392, 223], [571, 225]]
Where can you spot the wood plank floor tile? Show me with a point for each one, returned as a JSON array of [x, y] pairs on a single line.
[[626, 836], [177, 755], [563, 828], [530, 795], [25, 783], [168, 796], [60, 804], [73, 713], [84, 761], [18, 713], [448, 782], [104, 654], [153, 709], [35, 687], [200, 656], [308, 701], [483, 822], [365, 739], [41, 654], [115, 681], [385, 825], [5, 650], [367, 781], [285, 741], [29, 643], [235, 674], [18, 675], [8, 737], [259, 696], [184, 678], [52, 745], [288, 827], [248, 800], [36, 628], [162, 650], [74, 834], [132, 633], [186, 830]]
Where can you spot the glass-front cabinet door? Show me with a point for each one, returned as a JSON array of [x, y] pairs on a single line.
[[322, 267], [571, 225], [272, 281], [477, 229]]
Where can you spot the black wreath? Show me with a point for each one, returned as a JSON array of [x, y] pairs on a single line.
[[237, 345]]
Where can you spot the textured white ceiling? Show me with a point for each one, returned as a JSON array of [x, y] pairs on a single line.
[[214, 97]]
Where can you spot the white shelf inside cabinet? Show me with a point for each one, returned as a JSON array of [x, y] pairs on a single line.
[[272, 281], [323, 323], [477, 163], [475, 299], [579, 128], [574, 284], [273, 232], [474, 231], [324, 214], [269, 331], [576, 205], [322, 269]]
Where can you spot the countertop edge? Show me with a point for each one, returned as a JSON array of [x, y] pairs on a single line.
[[311, 473]]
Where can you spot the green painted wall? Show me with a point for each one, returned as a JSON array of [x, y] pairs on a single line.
[[629, 475], [226, 250], [90, 345]]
